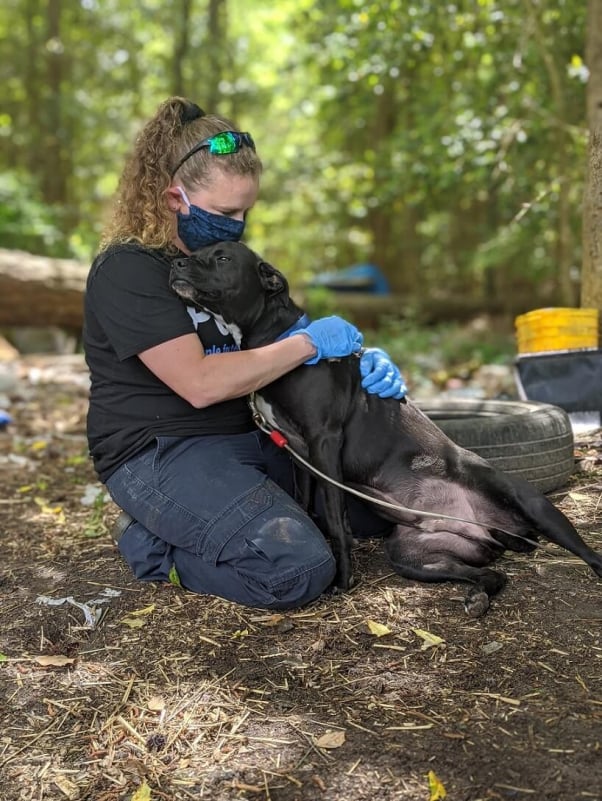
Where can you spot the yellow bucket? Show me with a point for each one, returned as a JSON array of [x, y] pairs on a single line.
[[556, 329]]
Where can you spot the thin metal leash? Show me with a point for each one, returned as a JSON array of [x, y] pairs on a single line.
[[281, 441]]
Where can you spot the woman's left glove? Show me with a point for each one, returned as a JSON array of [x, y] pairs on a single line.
[[380, 376]]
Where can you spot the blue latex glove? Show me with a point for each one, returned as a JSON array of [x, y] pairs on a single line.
[[380, 376], [332, 337]]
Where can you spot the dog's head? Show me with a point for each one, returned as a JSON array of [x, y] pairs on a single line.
[[230, 280]]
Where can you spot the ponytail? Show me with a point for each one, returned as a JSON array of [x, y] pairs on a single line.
[[140, 212]]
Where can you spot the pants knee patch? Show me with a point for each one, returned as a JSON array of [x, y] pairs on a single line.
[[239, 515]]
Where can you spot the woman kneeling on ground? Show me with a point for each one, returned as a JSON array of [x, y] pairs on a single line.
[[206, 496]]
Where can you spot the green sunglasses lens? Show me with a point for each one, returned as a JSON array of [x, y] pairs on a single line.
[[224, 143], [221, 144]]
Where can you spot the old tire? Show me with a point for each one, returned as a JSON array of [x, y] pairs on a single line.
[[530, 440]]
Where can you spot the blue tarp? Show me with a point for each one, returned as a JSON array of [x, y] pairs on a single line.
[[357, 278]]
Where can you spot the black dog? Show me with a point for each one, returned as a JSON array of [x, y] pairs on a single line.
[[386, 449]]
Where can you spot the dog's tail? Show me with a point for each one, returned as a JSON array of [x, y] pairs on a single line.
[[545, 518]]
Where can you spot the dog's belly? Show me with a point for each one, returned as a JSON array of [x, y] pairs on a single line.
[[442, 496]]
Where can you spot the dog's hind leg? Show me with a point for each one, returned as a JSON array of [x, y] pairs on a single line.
[[429, 557]]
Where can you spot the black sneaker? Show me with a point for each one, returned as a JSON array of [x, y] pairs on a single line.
[[120, 525]]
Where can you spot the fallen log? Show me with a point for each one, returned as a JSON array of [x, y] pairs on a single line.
[[44, 292], [41, 291]]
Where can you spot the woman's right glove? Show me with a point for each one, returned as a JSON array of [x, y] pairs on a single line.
[[332, 337]]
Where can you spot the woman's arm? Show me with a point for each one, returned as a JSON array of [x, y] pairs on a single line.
[[203, 380]]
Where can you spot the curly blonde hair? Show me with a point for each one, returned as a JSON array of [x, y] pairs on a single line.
[[140, 212]]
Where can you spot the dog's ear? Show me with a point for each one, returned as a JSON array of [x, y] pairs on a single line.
[[272, 279]]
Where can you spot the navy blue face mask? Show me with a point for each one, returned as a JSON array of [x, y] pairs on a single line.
[[199, 228]]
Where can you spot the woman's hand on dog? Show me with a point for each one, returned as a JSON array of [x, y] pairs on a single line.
[[332, 338], [380, 376]]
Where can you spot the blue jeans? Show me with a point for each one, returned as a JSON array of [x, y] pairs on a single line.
[[219, 509]]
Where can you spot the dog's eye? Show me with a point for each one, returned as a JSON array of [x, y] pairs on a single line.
[[223, 258]]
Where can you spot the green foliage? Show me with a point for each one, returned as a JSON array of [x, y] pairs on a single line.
[[444, 142], [95, 526], [439, 124], [173, 576], [421, 349], [320, 302], [26, 223]]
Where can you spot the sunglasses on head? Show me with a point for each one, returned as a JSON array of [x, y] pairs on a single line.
[[221, 144]]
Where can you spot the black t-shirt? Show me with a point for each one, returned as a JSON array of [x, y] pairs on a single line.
[[129, 308]]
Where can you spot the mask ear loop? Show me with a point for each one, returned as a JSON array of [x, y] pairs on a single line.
[[184, 196]]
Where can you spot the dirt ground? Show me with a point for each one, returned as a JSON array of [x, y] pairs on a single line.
[[387, 692]]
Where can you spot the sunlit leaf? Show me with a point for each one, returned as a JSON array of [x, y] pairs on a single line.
[[143, 793], [146, 611], [173, 576], [53, 660], [45, 509], [378, 629], [77, 460], [272, 620], [133, 622], [430, 640], [436, 788], [330, 739], [93, 533], [66, 786]]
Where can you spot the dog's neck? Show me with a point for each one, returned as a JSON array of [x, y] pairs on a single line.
[[302, 322], [278, 324]]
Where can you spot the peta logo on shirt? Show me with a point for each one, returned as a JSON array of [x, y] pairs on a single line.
[[215, 335]]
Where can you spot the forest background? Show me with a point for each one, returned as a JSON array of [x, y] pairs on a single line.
[[444, 142]]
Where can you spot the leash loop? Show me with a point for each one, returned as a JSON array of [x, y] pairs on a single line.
[[261, 423]]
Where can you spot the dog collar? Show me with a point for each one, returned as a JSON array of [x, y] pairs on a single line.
[[302, 322]]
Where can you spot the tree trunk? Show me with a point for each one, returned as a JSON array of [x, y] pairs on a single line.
[[380, 219], [215, 44], [181, 47], [32, 83], [54, 180], [591, 275], [39, 291], [564, 235]]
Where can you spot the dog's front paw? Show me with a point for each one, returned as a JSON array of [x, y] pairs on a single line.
[[476, 603], [596, 565], [341, 584]]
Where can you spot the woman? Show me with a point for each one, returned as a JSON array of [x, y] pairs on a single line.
[[206, 496]]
